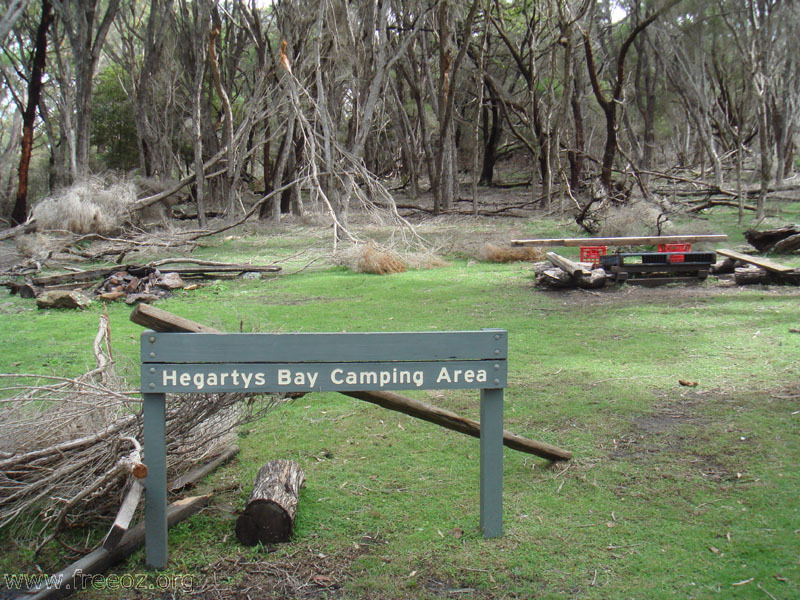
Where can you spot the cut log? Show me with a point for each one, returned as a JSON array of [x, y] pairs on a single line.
[[623, 241], [162, 320], [271, 509], [764, 263], [596, 278], [557, 278], [726, 265], [78, 575], [751, 275], [787, 245], [573, 268]]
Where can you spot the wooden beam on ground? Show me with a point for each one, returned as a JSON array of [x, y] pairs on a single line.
[[78, 575], [450, 420], [623, 241], [573, 268], [757, 261], [162, 320]]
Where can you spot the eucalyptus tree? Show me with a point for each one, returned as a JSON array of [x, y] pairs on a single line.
[[610, 93], [31, 68], [86, 23]]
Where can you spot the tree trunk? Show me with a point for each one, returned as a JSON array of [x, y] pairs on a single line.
[[20, 213], [491, 136], [271, 507]]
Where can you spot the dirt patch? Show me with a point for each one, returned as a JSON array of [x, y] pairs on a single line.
[[657, 432], [306, 574], [623, 295]]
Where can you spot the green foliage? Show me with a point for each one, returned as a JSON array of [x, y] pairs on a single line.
[[113, 123]]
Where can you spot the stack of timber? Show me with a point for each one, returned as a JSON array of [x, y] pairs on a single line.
[[757, 270], [564, 273]]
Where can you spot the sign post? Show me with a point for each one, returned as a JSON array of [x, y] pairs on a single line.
[[315, 362]]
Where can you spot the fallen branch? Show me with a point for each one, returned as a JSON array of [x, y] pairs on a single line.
[[712, 203], [26, 227]]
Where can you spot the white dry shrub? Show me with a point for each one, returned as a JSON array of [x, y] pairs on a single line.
[[634, 219], [370, 258], [88, 206]]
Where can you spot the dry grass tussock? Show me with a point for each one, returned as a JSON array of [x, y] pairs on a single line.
[[504, 254], [371, 258], [64, 442], [380, 260], [88, 206]]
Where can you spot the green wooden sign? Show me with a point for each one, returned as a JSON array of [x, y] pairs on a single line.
[[179, 363]]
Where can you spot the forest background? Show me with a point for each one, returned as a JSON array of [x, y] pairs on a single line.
[[310, 106]]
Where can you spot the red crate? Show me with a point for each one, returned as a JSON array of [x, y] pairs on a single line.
[[592, 254], [675, 258]]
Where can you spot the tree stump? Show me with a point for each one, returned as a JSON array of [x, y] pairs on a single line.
[[272, 505]]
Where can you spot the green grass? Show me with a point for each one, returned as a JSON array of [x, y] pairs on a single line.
[[673, 491]]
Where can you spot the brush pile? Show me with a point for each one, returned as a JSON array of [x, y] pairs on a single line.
[[65, 443]]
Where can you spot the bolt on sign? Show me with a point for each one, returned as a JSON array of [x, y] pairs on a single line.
[[182, 363]]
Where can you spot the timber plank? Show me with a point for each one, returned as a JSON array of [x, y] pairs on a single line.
[[764, 263], [623, 241]]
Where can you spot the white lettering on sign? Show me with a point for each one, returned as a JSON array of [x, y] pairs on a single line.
[[301, 378], [461, 376], [380, 378], [339, 377]]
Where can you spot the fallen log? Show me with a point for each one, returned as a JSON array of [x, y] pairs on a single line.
[[79, 574], [724, 266], [27, 227], [196, 271], [712, 203], [787, 245], [162, 320], [750, 275], [271, 508], [573, 268], [766, 239]]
